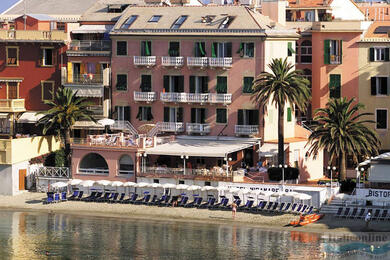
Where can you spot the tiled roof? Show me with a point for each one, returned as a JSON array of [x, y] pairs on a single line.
[[242, 21], [99, 10], [51, 7], [372, 31], [377, 12]]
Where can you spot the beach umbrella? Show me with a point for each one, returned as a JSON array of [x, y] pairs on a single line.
[[193, 188], [75, 182], [169, 186], [181, 187], [128, 184], [234, 190], [207, 189], [141, 185], [222, 189], [117, 184], [154, 186], [87, 184], [244, 192], [106, 121], [104, 183]]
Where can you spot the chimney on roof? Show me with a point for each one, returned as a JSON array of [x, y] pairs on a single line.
[[275, 10]]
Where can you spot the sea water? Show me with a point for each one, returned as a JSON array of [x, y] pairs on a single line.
[[31, 235]]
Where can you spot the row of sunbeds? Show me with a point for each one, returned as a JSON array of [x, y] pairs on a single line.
[[360, 213], [183, 201]]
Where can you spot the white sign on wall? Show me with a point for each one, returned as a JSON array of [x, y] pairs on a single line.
[[373, 194]]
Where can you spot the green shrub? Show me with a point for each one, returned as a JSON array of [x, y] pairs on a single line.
[[60, 158], [290, 173]]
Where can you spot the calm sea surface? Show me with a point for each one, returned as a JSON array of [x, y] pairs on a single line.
[[27, 235]]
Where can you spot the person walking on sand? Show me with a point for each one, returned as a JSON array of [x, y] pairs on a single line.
[[234, 210], [368, 219]]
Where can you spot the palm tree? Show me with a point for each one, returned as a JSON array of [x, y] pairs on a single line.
[[64, 111], [341, 132], [283, 84]]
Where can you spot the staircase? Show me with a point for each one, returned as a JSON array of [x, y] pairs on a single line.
[[155, 130], [332, 207], [125, 126]]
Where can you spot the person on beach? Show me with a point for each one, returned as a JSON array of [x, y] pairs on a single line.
[[368, 219], [234, 210]]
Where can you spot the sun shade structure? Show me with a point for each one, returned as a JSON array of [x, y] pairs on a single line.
[[129, 184], [117, 184], [75, 182], [87, 183], [169, 186], [104, 182], [203, 147], [194, 187], [106, 121]]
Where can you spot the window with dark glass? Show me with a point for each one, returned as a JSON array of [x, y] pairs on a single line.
[[247, 49], [179, 22], [129, 22], [247, 85], [173, 114], [173, 83], [199, 49], [12, 56], [379, 86], [47, 90], [247, 117], [221, 87], [121, 82], [121, 48], [154, 19], [47, 57], [146, 48], [198, 115], [199, 84], [379, 54], [221, 49], [334, 85], [221, 117], [174, 49], [144, 114], [381, 119], [146, 83], [306, 49]]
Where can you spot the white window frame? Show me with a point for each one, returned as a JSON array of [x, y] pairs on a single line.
[[245, 47], [306, 54], [334, 50], [376, 118], [378, 87], [379, 52]]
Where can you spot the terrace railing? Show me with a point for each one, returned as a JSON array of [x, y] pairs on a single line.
[[172, 61], [221, 62], [171, 126], [145, 96], [197, 61], [90, 45], [145, 61], [195, 128], [246, 129], [54, 172]]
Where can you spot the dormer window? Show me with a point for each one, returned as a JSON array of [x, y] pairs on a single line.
[[129, 22], [116, 8], [154, 19], [226, 22], [179, 22]]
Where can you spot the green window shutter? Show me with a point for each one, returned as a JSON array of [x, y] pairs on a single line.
[[289, 115], [335, 86], [139, 114], [240, 117], [166, 83], [202, 49], [148, 48], [179, 114], [327, 52], [205, 84], [181, 84], [203, 115], [341, 51], [373, 86], [214, 46], [228, 50], [247, 88], [290, 49], [372, 54], [387, 58], [166, 114], [241, 50], [193, 115], [221, 85], [221, 115], [192, 84]]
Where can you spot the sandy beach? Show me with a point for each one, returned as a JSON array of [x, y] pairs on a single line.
[[30, 201]]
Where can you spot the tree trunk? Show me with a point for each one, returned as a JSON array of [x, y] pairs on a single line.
[[67, 148], [280, 134], [343, 167]]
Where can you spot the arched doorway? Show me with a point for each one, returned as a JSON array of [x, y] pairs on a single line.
[[93, 163], [126, 165]]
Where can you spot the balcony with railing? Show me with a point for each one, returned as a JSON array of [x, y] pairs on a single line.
[[195, 128], [221, 62], [197, 62], [216, 98], [108, 140], [213, 98], [171, 127], [335, 59], [246, 129], [147, 61], [172, 61], [12, 105], [33, 35], [86, 78], [145, 96], [101, 48]]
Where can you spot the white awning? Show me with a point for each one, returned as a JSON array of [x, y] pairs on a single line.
[[93, 28], [202, 147], [87, 124], [270, 149], [29, 117], [88, 91]]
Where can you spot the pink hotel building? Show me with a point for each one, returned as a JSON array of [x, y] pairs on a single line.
[[188, 70]]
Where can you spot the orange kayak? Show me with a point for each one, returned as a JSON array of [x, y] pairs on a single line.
[[304, 220]]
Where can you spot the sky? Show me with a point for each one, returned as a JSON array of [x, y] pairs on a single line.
[[5, 4]]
